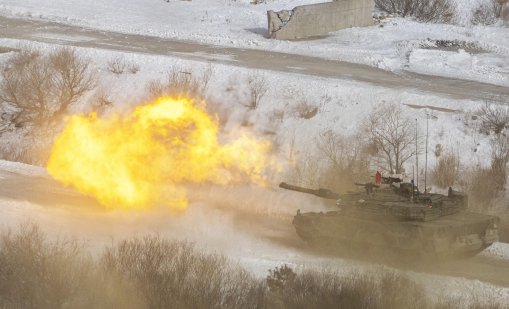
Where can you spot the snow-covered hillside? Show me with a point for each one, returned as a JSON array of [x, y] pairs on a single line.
[[469, 52], [479, 53]]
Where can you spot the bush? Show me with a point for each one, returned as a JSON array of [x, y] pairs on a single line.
[[494, 118], [119, 65], [319, 289], [35, 274], [172, 274], [305, 110], [257, 86], [152, 272], [37, 91], [182, 83], [422, 10]]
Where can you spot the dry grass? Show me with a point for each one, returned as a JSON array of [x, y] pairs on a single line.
[[446, 171], [483, 187]]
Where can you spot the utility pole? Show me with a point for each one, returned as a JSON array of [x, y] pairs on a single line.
[[426, 162]]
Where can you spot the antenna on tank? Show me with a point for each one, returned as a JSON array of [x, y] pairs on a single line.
[[416, 157]]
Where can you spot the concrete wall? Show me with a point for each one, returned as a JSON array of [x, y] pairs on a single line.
[[319, 19]]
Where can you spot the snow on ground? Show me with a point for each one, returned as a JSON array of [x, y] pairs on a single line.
[[342, 105], [498, 250], [21, 169], [395, 44]]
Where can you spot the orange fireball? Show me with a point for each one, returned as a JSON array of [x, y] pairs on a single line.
[[133, 161]]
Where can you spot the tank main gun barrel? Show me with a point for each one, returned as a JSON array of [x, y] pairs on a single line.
[[323, 193]]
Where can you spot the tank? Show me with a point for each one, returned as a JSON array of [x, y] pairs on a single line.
[[394, 219]]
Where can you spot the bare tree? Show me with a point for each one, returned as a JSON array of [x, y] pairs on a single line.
[[345, 159], [36, 89], [26, 87], [72, 78], [392, 135]]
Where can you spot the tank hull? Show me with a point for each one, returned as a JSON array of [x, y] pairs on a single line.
[[460, 234]]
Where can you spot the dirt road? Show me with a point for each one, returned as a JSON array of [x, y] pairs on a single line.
[[54, 33]]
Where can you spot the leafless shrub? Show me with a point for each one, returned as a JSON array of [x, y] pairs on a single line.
[[305, 109], [119, 65], [38, 274], [392, 136], [345, 157], [172, 274], [181, 82], [39, 89], [36, 92], [257, 89], [446, 171], [320, 289], [487, 13], [494, 118], [422, 10], [133, 68], [101, 102]]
